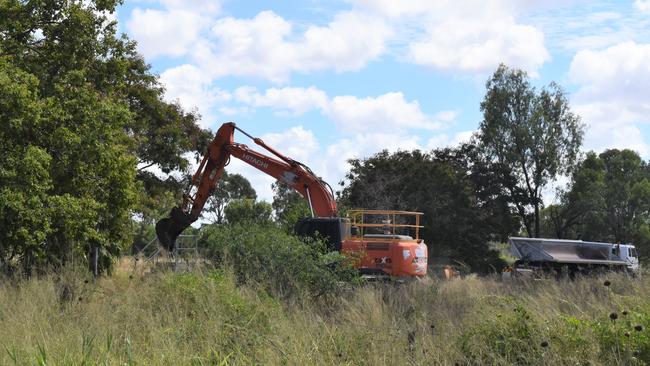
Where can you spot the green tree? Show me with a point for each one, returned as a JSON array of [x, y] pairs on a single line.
[[82, 186], [81, 108], [580, 213], [608, 200], [248, 211], [626, 181], [534, 134], [485, 179], [230, 187], [289, 206]]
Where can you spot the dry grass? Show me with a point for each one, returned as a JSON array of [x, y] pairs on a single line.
[[171, 319]]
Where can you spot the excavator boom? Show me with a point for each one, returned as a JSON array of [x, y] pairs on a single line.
[[221, 149]]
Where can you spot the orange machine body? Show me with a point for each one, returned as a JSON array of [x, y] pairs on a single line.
[[379, 243]]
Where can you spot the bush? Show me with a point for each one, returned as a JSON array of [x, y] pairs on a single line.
[[283, 264], [512, 336]]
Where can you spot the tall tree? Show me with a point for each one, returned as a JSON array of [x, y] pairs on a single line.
[[626, 188], [534, 134], [485, 179], [81, 108]]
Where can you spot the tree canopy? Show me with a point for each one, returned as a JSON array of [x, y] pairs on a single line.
[[608, 200], [230, 187], [532, 134], [289, 206], [80, 111]]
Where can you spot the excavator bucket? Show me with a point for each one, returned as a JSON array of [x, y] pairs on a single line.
[[169, 228]]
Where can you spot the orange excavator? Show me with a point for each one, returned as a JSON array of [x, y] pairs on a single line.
[[371, 238]]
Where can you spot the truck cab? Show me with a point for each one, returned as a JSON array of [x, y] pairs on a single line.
[[627, 253]]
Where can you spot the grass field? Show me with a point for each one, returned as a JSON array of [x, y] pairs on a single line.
[[205, 319]]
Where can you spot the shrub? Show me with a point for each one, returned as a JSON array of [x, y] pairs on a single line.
[[283, 264], [512, 336]]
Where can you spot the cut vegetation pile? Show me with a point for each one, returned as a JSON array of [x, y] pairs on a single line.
[[167, 318]]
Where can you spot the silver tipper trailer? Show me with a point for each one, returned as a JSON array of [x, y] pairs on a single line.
[[572, 255]]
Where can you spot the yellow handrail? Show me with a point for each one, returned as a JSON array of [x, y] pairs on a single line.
[[358, 219]]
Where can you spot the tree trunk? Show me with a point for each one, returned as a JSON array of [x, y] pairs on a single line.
[[536, 219]]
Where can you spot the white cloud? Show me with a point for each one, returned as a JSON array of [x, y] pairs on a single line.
[[296, 100], [468, 45], [642, 5], [164, 32], [173, 29], [189, 86], [446, 35], [465, 35], [386, 112], [266, 46], [396, 9], [347, 43], [621, 71], [444, 140], [585, 24], [362, 146], [614, 94], [295, 143], [601, 136], [235, 111], [197, 6]]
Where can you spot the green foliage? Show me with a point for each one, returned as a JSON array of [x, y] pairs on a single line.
[[289, 206], [581, 205], [80, 110], [608, 200], [66, 170], [534, 134], [230, 187], [283, 264], [512, 336], [621, 337], [248, 211]]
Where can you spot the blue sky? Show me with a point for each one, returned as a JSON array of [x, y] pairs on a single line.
[[325, 81]]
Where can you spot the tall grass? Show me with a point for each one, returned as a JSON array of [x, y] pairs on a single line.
[[206, 319]]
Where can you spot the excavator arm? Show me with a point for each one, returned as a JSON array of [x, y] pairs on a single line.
[[295, 174]]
